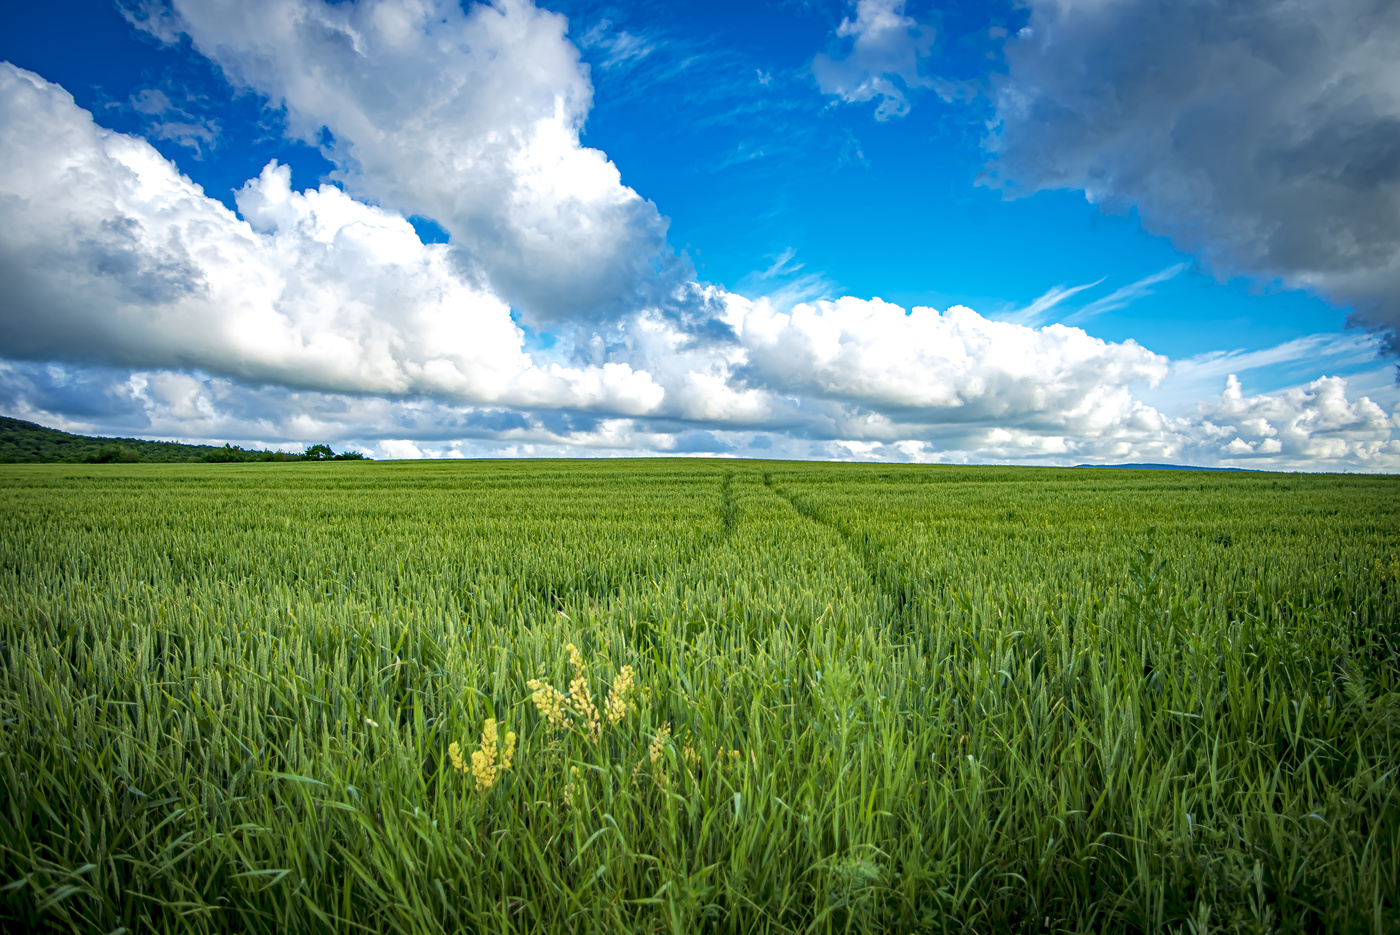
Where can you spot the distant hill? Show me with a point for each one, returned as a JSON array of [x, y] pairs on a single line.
[[28, 442], [1166, 467]]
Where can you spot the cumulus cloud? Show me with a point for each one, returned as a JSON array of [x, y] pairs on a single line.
[[955, 366], [110, 255], [470, 118], [1312, 427], [1263, 136], [1309, 423], [882, 63]]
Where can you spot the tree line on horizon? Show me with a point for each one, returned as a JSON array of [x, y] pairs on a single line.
[[25, 442]]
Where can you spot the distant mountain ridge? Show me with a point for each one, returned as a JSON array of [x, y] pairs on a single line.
[[30, 443], [1144, 466]]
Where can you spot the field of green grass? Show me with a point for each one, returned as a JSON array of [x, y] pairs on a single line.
[[801, 698]]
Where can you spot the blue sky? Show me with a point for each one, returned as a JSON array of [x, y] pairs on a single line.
[[796, 154]]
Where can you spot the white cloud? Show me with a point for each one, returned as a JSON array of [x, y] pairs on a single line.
[[1302, 425], [786, 282], [1354, 353], [622, 48], [110, 255], [1042, 309], [1039, 311], [169, 122], [1262, 136], [399, 449], [955, 366], [470, 118], [1312, 427], [886, 51], [1127, 295]]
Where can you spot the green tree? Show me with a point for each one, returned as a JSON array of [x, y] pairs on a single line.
[[326, 453], [113, 454]]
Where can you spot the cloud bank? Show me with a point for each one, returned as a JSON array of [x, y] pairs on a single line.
[[115, 258], [1263, 136], [111, 256]]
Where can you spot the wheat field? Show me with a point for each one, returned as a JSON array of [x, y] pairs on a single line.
[[684, 696]]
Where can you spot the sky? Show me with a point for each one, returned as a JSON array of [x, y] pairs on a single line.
[[1041, 232]]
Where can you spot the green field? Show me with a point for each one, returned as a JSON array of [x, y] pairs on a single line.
[[866, 698]]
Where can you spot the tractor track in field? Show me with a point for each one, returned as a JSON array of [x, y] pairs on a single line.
[[902, 599], [728, 506]]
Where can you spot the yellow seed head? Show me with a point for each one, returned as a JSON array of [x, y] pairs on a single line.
[[658, 743], [483, 770], [570, 786], [582, 697], [490, 761], [655, 753], [509, 750], [550, 702], [617, 698]]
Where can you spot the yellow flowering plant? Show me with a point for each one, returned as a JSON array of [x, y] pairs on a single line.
[[491, 759], [561, 710]]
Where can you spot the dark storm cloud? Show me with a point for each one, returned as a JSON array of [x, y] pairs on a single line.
[[1262, 136]]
